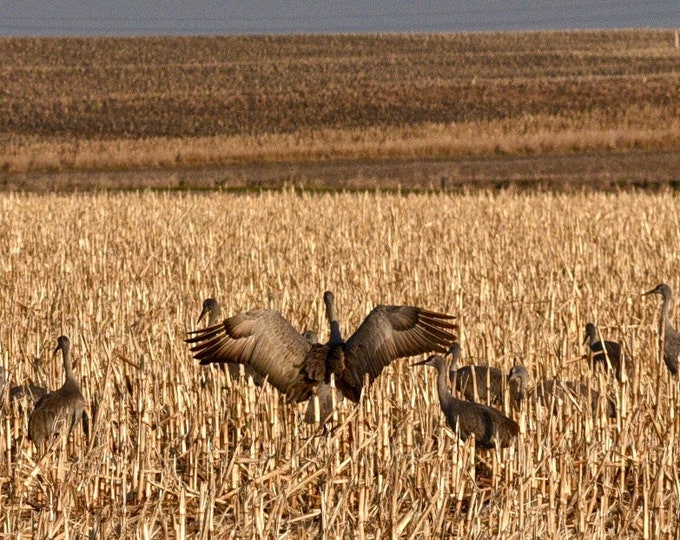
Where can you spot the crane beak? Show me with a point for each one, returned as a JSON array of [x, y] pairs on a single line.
[[422, 362], [204, 312], [57, 349], [649, 292]]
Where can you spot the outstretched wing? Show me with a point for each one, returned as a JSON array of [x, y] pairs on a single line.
[[260, 338], [388, 333]]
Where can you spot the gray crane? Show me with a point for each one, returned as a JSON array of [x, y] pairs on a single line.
[[17, 393], [553, 390], [58, 412], [266, 341], [486, 380], [671, 339], [27, 391], [488, 425], [211, 308], [606, 353]]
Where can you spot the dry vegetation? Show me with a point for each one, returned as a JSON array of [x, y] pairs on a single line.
[[179, 449], [85, 104]]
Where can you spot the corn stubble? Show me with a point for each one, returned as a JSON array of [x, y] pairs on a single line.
[[180, 449]]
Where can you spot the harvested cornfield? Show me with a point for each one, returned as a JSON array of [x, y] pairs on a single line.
[[170, 102], [177, 449]]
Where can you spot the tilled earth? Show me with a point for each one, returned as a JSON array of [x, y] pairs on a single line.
[[599, 171]]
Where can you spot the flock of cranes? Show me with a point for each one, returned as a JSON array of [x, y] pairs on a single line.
[[266, 342], [271, 351]]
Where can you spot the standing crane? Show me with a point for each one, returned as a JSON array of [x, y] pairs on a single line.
[[553, 391], [671, 338], [57, 413], [489, 426], [607, 353]]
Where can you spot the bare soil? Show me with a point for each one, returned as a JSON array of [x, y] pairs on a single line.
[[555, 110], [601, 171]]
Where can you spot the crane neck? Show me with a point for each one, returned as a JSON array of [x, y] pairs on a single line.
[[518, 388], [336, 337], [455, 357], [214, 315], [665, 319], [592, 337], [453, 366], [442, 388], [68, 369]]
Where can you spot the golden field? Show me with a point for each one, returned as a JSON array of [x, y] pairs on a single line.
[[177, 449], [120, 103]]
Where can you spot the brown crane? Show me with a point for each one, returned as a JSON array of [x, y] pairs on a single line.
[[553, 391], [606, 353], [487, 381], [489, 426], [266, 341], [671, 338], [56, 413]]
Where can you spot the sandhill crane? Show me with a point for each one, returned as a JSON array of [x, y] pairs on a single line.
[[487, 381], [16, 393], [211, 308], [553, 391], [671, 339], [488, 425], [57, 412], [265, 340], [324, 393], [609, 355], [27, 391]]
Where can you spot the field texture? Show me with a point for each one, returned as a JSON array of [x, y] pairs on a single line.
[[180, 449], [108, 104]]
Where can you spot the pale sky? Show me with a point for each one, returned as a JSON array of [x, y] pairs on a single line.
[[136, 17]]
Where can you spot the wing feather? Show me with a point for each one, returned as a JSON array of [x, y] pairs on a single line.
[[389, 333], [260, 338]]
